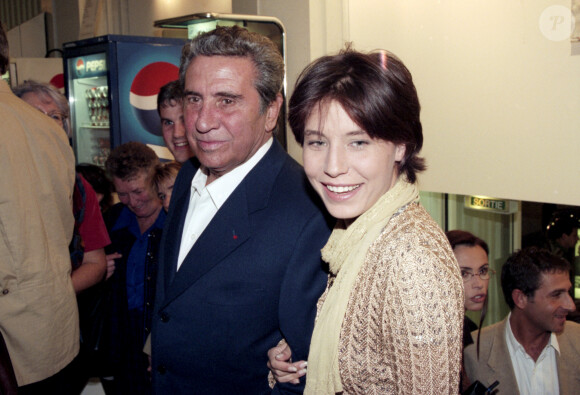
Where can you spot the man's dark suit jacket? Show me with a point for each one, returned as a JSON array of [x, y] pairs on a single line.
[[252, 278]]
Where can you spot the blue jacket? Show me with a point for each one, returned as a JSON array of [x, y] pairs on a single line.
[[252, 278]]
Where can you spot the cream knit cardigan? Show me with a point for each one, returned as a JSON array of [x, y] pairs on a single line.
[[402, 333]]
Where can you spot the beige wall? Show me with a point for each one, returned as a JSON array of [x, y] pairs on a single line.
[[501, 101], [136, 17]]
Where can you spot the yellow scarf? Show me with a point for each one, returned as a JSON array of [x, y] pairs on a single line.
[[345, 253]]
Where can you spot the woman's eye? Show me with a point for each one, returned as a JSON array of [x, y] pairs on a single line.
[[314, 143], [359, 143], [484, 270]]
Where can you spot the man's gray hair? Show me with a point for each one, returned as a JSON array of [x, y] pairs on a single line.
[[239, 42]]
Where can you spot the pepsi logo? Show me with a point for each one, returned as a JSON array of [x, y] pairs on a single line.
[[58, 81], [80, 66], [144, 90], [96, 65]]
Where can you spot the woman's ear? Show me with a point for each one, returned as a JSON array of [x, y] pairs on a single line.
[[400, 150]]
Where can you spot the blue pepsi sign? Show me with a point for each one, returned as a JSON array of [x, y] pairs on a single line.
[[90, 66], [142, 72]]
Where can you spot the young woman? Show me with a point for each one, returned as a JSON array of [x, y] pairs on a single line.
[[390, 320], [471, 253]]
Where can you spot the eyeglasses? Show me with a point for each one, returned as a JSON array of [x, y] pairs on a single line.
[[57, 116], [484, 273]]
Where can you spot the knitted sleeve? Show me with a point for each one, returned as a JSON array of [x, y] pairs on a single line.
[[403, 329]]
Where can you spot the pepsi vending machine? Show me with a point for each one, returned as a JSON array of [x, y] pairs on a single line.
[[112, 84]]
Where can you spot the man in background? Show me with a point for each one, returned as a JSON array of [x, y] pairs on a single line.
[[38, 312], [534, 350], [170, 108]]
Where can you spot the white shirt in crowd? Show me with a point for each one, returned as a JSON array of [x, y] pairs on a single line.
[[534, 377]]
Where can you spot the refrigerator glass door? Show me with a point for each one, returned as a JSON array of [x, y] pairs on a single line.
[[90, 109]]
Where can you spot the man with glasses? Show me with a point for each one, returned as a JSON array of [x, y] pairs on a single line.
[[534, 350]]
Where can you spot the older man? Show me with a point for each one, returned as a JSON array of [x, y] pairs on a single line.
[[534, 350], [240, 256], [38, 312]]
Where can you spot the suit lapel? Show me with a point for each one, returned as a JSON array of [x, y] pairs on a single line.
[[228, 230], [500, 362], [567, 365], [224, 234]]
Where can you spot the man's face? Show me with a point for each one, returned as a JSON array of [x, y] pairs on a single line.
[[222, 112], [547, 309], [173, 128]]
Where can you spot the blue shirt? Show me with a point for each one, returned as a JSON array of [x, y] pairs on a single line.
[[136, 261]]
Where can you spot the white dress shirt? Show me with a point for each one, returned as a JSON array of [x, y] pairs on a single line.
[[206, 200], [534, 377]]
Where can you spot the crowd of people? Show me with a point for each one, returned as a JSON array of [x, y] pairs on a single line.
[[233, 269]]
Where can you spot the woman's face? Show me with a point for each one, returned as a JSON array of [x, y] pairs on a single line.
[[46, 105], [347, 168], [473, 259], [165, 189], [138, 195]]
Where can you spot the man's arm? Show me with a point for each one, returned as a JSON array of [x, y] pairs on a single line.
[[304, 282]]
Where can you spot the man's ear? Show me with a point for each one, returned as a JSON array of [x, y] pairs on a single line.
[[520, 299], [272, 112]]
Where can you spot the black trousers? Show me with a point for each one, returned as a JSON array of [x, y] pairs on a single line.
[[8, 384], [63, 382]]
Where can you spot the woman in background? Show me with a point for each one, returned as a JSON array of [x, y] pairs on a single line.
[[471, 253], [163, 181], [135, 226], [390, 319]]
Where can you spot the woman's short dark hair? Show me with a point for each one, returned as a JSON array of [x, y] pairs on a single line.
[[464, 238], [375, 89]]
